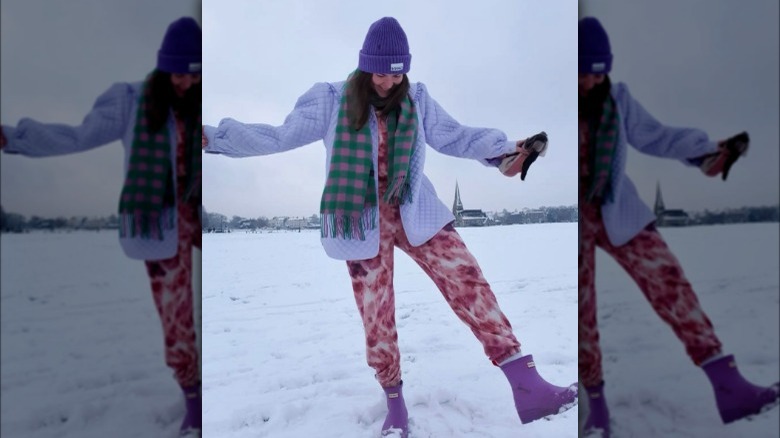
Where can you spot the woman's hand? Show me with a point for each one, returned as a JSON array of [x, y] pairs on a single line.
[[203, 140], [728, 152], [526, 153]]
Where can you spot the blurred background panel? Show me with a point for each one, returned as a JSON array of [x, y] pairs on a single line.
[[706, 65], [82, 344], [711, 65]]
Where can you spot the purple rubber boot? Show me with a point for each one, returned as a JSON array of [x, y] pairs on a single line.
[[597, 424], [736, 397], [534, 397], [191, 425], [397, 418]]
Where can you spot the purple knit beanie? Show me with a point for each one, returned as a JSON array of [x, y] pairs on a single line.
[[180, 51], [595, 54], [385, 49]]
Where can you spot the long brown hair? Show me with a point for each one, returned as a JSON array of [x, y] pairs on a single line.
[[163, 98], [592, 105], [362, 96]]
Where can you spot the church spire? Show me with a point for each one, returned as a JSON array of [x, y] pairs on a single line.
[[659, 200], [457, 205]]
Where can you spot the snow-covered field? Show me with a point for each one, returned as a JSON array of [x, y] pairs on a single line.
[[652, 388], [82, 348], [284, 351]]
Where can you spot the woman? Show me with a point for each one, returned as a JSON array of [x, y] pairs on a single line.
[[158, 121], [376, 197], [613, 217]]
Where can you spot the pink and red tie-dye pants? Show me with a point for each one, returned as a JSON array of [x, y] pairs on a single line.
[[171, 281], [648, 260], [455, 272], [452, 268], [172, 291]]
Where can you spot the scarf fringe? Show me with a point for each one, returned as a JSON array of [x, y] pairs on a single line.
[[399, 191], [348, 227], [193, 187], [145, 226], [600, 189]]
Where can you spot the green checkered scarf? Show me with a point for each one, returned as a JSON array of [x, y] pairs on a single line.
[[604, 143], [149, 176], [350, 195]]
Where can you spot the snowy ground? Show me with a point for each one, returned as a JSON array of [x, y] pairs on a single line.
[[82, 346], [82, 349], [284, 353], [653, 389]]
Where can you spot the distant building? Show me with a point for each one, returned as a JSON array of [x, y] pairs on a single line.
[[288, 223], [295, 223], [93, 224], [467, 218], [535, 216], [313, 223], [668, 218], [277, 222], [472, 218], [674, 218]]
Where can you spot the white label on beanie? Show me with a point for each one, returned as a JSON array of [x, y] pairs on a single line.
[[397, 66], [599, 66], [195, 66]]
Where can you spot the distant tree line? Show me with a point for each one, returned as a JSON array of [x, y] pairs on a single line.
[[737, 215], [707, 217], [535, 216], [220, 223], [17, 223]]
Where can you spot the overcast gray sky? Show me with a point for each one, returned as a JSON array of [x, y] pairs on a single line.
[[711, 65], [56, 59], [500, 64]]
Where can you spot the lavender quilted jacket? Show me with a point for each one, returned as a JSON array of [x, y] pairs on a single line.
[[626, 215], [314, 118]]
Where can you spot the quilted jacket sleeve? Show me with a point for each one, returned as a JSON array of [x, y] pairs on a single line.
[[306, 124], [649, 136], [105, 123], [449, 137]]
